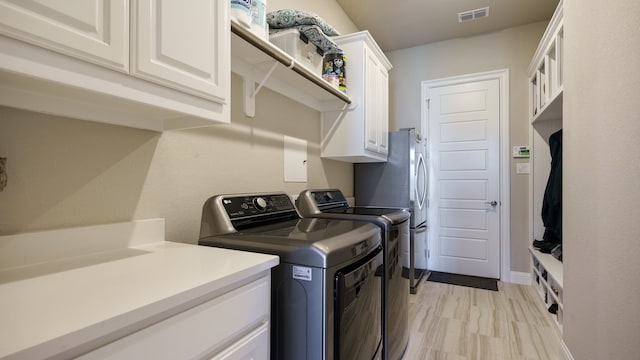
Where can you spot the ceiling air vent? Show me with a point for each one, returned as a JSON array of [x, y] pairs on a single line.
[[473, 14]]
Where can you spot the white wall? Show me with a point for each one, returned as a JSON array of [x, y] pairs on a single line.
[[601, 172], [512, 49], [65, 172]]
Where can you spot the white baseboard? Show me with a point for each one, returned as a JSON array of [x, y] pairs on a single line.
[[521, 278], [564, 351]]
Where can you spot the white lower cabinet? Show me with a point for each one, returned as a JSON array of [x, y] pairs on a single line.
[[361, 134], [253, 346], [234, 325], [80, 59]]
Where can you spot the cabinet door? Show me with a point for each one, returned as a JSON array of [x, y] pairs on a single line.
[[371, 109], [376, 98], [92, 30], [201, 330], [382, 84], [254, 346], [183, 45]]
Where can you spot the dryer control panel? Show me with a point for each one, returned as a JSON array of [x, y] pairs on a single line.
[[314, 202], [256, 205]]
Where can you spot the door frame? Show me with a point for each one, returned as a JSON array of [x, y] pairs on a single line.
[[502, 76]]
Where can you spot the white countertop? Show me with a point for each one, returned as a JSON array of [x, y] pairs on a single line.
[[58, 304]]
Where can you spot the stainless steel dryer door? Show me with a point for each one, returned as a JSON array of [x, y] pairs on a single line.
[[358, 324]]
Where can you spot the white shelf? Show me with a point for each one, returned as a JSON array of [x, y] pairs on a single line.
[[546, 87], [551, 264], [552, 111], [547, 278], [546, 75], [547, 285], [252, 57]]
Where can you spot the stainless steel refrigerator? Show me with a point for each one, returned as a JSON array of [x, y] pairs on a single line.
[[402, 181]]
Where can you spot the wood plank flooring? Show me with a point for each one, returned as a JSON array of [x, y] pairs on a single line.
[[451, 322]]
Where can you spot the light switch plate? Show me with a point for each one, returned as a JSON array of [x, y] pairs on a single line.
[[523, 168]]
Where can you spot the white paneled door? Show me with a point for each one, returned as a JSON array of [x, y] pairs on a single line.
[[464, 132]]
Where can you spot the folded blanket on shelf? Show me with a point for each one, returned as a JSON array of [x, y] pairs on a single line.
[[311, 25], [315, 36]]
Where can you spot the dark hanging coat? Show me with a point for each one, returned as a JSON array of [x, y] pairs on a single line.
[[552, 201]]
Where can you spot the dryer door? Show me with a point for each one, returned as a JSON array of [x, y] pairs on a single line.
[[358, 305]]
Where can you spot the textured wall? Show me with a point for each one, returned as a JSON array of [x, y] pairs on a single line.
[[601, 168], [65, 172]]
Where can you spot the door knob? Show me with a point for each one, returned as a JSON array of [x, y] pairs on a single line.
[[492, 203]]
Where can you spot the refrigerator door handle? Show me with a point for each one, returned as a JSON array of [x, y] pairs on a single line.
[[420, 229], [422, 197]]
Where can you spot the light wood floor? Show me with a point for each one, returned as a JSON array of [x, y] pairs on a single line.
[[451, 322]]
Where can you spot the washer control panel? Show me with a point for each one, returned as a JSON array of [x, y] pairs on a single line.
[[255, 205], [330, 196]]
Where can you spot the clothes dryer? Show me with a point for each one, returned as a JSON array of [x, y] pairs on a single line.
[[328, 285], [394, 225]]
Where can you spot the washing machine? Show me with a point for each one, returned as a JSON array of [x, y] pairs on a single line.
[[327, 290], [394, 226]]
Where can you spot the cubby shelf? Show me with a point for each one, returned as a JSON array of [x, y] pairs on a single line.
[[546, 88], [547, 279], [546, 77]]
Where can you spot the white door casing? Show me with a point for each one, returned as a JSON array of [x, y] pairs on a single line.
[[466, 121]]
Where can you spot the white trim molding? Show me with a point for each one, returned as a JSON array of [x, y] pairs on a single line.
[[522, 278], [564, 351], [502, 76]]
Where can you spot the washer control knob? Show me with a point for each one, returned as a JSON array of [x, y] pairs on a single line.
[[328, 195], [260, 203]]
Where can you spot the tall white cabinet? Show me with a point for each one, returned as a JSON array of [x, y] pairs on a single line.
[[150, 64], [545, 113], [360, 134]]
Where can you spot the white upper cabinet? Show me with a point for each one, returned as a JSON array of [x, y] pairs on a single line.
[[93, 30], [376, 102], [179, 53], [177, 44], [360, 134]]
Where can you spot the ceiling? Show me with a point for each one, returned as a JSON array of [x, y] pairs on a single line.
[[399, 24]]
